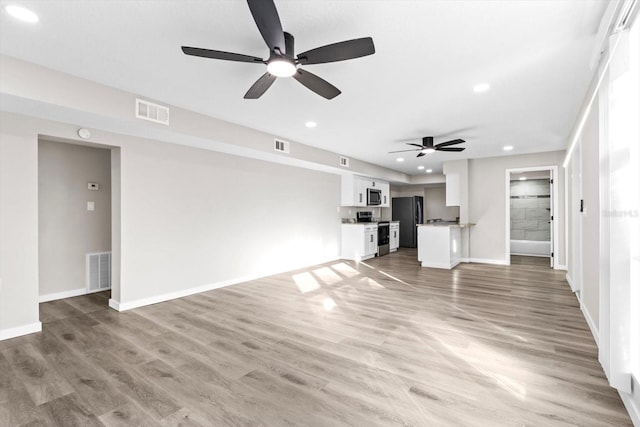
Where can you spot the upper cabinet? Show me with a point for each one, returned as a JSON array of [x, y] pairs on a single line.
[[453, 189], [354, 191]]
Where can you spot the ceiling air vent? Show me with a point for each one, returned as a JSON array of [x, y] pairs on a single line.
[[344, 161], [281, 146], [146, 110]]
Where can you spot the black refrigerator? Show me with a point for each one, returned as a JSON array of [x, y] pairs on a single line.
[[407, 210]]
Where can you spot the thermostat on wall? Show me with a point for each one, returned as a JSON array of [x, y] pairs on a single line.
[[93, 186]]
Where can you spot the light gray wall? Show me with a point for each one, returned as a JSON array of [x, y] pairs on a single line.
[[435, 204], [189, 217], [67, 231], [529, 213], [487, 201], [591, 217], [193, 217], [18, 229]]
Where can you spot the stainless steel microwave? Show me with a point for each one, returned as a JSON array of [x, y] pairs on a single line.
[[374, 197]]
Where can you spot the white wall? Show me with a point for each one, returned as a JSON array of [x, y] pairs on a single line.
[[590, 250], [18, 230], [487, 202], [192, 218], [67, 231]]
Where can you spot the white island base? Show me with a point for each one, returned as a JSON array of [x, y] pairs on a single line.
[[439, 245]]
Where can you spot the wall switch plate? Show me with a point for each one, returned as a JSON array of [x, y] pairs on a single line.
[[91, 206], [93, 186]]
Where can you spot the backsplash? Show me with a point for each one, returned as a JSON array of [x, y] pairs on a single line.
[[383, 214]]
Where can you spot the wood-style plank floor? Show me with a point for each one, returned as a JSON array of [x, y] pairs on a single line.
[[384, 342]]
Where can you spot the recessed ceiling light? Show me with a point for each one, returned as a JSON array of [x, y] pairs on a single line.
[[399, 159], [429, 170], [523, 178], [281, 68], [420, 167], [21, 13], [507, 147], [311, 124], [481, 87]]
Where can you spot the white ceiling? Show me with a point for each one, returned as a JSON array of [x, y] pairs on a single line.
[[429, 55]]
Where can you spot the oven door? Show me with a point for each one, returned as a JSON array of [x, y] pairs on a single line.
[[383, 233]]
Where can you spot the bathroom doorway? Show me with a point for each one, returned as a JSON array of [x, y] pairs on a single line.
[[531, 220]]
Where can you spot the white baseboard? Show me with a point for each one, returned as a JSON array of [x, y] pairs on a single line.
[[18, 331], [633, 407], [123, 306], [570, 282], [534, 255], [487, 261], [444, 266], [590, 322], [561, 267], [61, 295]]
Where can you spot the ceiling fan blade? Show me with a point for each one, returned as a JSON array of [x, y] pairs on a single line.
[[452, 142], [450, 149], [268, 21], [341, 51], [316, 84], [415, 145], [421, 154], [218, 54], [260, 86], [402, 151]]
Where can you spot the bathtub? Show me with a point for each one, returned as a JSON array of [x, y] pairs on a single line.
[[530, 248]]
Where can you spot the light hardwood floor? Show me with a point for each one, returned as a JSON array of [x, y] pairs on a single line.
[[384, 342]]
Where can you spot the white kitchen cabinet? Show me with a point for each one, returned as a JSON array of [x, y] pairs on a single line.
[[394, 236], [354, 191], [452, 189], [359, 241]]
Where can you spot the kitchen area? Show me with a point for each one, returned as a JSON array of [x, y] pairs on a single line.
[[379, 218]]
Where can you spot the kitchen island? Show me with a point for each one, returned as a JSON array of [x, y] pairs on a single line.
[[439, 245]]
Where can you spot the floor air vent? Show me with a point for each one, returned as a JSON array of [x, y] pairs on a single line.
[[156, 113], [98, 271]]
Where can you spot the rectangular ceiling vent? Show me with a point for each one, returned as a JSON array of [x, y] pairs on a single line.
[[98, 271], [344, 161], [281, 146], [146, 110]]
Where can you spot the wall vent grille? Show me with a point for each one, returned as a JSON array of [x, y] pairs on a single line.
[[156, 113], [281, 146], [98, 271], [344, 161]]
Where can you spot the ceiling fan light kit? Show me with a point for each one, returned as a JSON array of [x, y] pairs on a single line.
[[282, 60], [428, 147]]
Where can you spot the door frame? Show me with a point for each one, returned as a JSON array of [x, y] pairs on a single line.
[[553, 170]]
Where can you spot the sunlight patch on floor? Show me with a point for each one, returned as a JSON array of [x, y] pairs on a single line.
[[306, 282], [345, 269], [328, 276]]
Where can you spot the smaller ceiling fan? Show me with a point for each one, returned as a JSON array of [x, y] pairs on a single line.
[[427, 146]]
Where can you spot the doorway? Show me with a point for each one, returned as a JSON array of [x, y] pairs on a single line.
[[531, 220], [74, 227]]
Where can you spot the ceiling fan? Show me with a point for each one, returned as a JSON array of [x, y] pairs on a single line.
[[427, 146], [282, 61]]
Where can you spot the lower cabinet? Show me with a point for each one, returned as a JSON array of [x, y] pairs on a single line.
[[394, 236], [359, 241]]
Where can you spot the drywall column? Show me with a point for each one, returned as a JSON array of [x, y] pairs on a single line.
[[460, 169], [18, 231]]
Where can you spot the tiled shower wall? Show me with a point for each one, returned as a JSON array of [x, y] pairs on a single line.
[[530, 210]]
